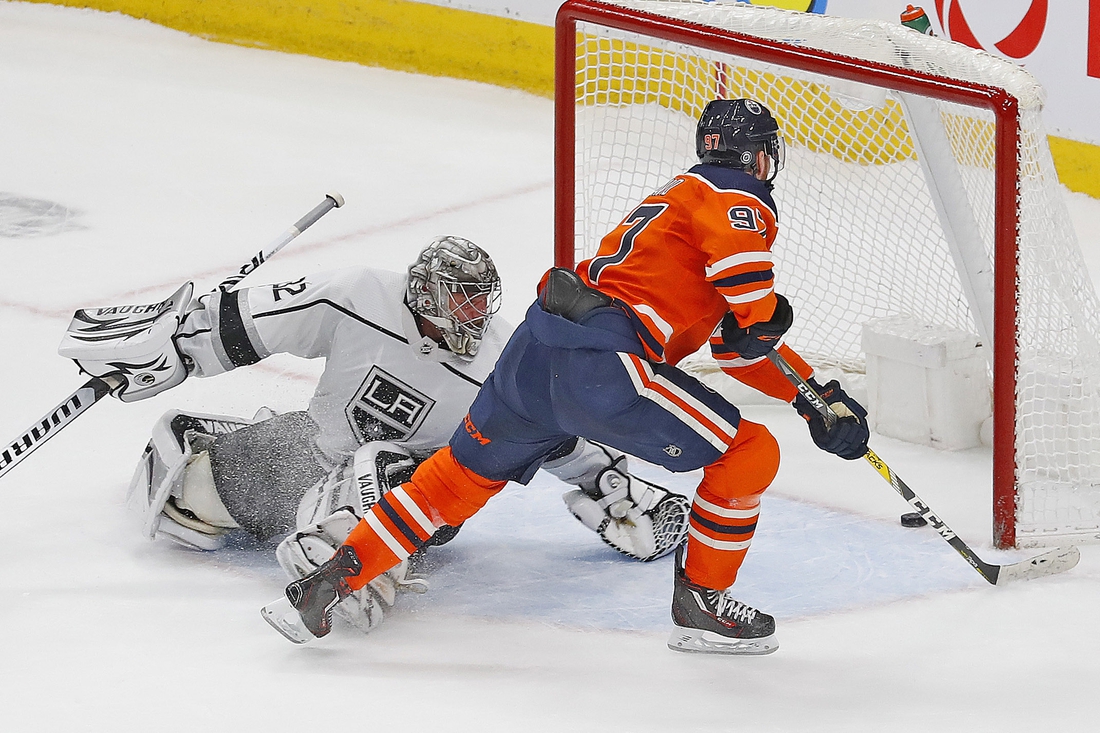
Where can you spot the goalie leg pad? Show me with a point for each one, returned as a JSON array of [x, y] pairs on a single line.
[[306, 550], [377, 468], [199, 494], [582, 465], [159, 478]]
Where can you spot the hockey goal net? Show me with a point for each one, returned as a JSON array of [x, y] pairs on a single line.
[[918, 182]]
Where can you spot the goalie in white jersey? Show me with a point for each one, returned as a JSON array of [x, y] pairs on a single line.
[[405, 356]]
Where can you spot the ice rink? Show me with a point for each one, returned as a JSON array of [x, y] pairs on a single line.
[[135, 158]]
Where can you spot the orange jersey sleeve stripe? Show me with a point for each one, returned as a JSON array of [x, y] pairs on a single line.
[[739, 263], [748, 289], [743, 278]]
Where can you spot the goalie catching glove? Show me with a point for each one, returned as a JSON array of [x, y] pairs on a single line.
[[848, 436], [637, 518]]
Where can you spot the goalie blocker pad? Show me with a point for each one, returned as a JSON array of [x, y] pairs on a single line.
[[133, 343]]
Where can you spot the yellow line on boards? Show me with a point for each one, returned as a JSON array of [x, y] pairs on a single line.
[[394, 34], [427, 39]]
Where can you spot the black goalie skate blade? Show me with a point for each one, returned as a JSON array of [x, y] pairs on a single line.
[[698, 641], [284, 618]]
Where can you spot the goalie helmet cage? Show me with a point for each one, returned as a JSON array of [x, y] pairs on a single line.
[[918, 181]]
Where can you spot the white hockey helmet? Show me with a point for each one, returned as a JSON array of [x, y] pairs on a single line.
[[454, 286]]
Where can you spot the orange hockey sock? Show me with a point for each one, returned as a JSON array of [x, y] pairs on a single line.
[[440, 492], [726, 507]]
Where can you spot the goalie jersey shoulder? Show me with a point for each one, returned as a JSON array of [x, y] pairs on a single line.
[[373, 299]]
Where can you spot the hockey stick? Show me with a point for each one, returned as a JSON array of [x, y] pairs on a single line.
[[97, 388], [56, 420], [332, 201], [1053, 561]]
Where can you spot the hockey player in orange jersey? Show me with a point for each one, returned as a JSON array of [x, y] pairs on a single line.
[[595, 357]]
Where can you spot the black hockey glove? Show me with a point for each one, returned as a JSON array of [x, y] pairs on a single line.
[[752, 342], [848, 436]]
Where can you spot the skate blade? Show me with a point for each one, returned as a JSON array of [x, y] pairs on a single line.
[[284, 618], [707, 642]]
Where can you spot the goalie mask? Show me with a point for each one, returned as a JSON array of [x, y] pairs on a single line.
[[454, 286], [732, 131]]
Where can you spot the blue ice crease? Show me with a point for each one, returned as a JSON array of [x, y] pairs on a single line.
[[524, 557]]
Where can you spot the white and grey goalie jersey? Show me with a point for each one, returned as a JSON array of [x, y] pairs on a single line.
[[382, 379]]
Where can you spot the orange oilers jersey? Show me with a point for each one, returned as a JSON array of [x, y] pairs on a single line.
[[694, 249]]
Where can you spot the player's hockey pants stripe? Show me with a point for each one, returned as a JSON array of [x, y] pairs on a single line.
[[651, 344], [234, 338], [711, 426]]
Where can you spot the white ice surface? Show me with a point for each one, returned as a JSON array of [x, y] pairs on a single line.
[[171, 158]]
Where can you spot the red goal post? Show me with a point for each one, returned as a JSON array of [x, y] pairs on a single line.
[[644, 64]]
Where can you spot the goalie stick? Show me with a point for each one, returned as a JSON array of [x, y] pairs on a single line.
[[16, 451], [1053, 561], [332, 201], [55, 420]]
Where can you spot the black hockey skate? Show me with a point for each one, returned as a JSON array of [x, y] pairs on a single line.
[[712, 622], [312, 598]]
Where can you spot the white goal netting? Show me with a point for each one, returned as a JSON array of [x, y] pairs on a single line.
[[886, 204]]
